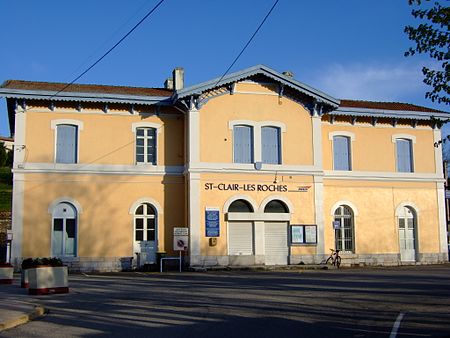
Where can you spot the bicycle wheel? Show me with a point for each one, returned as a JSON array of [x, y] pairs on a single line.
[[329, 261], [338, 261]]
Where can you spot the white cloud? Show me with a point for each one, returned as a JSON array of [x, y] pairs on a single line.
[[379, 82]]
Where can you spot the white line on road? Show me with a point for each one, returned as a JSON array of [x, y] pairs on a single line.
[[396, 325]]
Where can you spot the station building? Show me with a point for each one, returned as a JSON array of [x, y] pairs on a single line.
[[261, 168]]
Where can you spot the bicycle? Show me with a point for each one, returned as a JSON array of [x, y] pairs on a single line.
[[334, 258]]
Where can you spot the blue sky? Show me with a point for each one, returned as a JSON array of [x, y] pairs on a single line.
[[349, 49]]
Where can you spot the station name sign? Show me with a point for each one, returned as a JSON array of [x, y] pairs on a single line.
[[254, 187]]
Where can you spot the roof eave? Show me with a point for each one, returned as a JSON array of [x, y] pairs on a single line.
[[400, 114], [84, 97]]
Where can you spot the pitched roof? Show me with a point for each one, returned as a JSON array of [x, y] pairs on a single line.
[[84, 92], [386, 106], [388, 109], [84, 88], [259, 70]]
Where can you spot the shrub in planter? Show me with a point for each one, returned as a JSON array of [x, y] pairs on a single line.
[[6, 273], [46, 275]]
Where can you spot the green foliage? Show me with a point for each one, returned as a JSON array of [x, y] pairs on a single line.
[[29, 263], [6, 178], [3, 155], [432, 37]]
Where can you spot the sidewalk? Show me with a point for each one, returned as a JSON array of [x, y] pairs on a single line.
[[16, 306]]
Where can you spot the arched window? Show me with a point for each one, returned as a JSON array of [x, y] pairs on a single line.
[[407, 220], [240, 206], [64, 230], [145, 223], [276, 206], [344, 229]]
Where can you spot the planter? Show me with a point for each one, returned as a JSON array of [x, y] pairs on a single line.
[[6, 274], [47, 279], [24, 279]]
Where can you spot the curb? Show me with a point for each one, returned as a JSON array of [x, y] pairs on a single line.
[[263, 268], [38, 312]]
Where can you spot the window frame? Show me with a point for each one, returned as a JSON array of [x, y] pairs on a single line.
[[252, 146], [410, 155], [257, 138], [146, 138], [53, 210], [413, 141], [158, 129], [279, 150], [145, 217], [351, 138], [341, 217], [69, 122]]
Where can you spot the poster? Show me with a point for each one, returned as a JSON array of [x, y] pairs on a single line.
[[297, 234]]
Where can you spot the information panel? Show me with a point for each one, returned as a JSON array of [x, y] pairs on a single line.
[[212, 222], [303, 234]]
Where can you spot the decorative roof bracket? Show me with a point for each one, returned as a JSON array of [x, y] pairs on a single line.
[[280, 90]]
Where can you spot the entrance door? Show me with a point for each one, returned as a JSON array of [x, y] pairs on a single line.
[[145, 241], [276, 243], [406, 229], [240, 238]]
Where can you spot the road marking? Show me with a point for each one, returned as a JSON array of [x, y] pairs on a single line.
[[396, 325]]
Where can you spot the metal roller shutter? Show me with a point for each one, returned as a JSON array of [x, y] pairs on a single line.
[[240, 238], [276, 243]]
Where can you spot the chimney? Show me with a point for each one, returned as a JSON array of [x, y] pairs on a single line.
[[178, 78], [168, 84], [288, 73]]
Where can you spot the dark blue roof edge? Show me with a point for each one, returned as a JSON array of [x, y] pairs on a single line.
[[258, 69]]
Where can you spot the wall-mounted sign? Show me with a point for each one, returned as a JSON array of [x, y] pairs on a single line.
[[336, 225], [304, 234], [255, 187], [180, 239], [212, 222]]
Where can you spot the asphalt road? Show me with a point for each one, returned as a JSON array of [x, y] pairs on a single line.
[[376, 302]]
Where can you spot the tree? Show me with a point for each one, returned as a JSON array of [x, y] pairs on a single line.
[[432, 37]]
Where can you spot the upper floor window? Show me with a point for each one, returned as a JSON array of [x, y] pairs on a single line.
[[257, 141], [404, 153], [243, 144], [341, 153], [146, 145], [270, 145], [66, 143]]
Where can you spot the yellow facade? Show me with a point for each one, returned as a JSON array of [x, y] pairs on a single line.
[[260, 151]]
